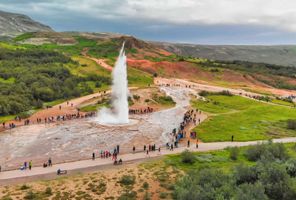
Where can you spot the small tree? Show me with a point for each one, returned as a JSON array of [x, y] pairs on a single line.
[[233, 153], [187, 157]]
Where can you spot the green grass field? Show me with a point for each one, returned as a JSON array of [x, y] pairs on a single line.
[[87, 66], [244, 118], [139, 78], [282, 102]]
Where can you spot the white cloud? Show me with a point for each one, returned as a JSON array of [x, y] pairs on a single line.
[[280, 14]]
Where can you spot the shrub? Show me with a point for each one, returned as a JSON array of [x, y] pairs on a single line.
[[233, 153], [30, 195], [128, 195], [291, 167], [145, 185], [136, 97], [48, 191], [270, 151], [24, 187], [253, 153], [203, 93], [250, 191], [278, 151], [245, 174], [205, 184], [127, 180], [187, 157], [292, 124], [275, 180], [225, 93]]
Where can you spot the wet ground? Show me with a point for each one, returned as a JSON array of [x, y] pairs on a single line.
[[77, 139]]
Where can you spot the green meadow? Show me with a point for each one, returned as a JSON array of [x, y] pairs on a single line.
[[244, 118]]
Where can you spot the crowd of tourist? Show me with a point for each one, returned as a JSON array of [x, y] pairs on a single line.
[[141, 111]]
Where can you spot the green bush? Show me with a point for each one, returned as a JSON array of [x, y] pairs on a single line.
[[292, 124], [291, 167], [269, 151], [187, 157], [145, 185], [48, 191], [204, 184], [254, 153], [245, 174], [275, 181], [136, 97], [127, 180], [128, 195], [250, 192], [271, 177], [233, 153], [24, 187], [30, 195], [204, 93]]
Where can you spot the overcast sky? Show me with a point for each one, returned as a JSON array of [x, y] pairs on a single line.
[[188, 21]]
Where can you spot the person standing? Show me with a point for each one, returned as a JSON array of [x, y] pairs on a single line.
[[134, 149], [117, 149], [30, 165], [188, 143], [93, 156], [49, 162], [197, 143], [232, 138]]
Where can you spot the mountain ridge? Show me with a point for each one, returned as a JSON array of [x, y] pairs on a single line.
[[271, 54], [14, 24]]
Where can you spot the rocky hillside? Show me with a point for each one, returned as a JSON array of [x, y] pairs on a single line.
[[12, 24], [279, 55]]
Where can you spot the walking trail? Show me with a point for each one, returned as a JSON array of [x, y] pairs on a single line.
[[83, 164]]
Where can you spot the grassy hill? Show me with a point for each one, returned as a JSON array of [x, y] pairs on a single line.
[[73, 53], [279, 55]]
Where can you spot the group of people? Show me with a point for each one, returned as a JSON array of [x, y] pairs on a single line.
[[108, 154], [10, 125], [48, 163], [149, 148], [141, 111], [175, 85], [27, 165], [177, 134]]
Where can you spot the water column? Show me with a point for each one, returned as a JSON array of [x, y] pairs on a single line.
[[118, 113]]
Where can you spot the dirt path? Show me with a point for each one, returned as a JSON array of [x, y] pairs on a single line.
[[100, 62]]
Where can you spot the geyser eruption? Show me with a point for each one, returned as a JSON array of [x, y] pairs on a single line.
[[118, 113]]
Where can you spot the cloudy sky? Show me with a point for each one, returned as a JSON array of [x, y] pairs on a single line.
[[188, 21]]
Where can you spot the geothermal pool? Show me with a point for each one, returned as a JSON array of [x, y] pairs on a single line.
[[77, 139]]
